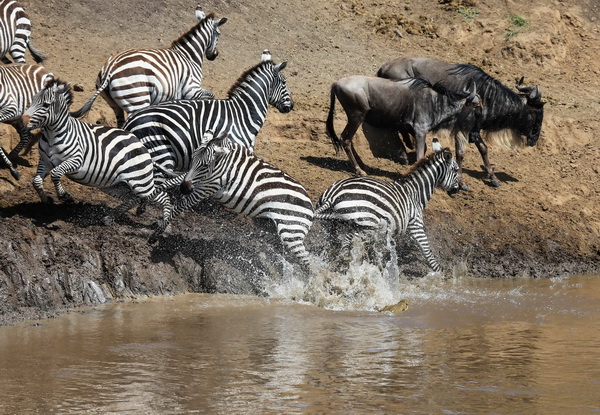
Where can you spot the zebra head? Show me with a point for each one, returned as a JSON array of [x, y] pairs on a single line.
[[49, 105], [211, 24], [204, 158], [279, 94], [449, 180]]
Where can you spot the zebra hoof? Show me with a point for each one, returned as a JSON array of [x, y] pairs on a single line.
[[464, 187], [67, 198], [494, 183]]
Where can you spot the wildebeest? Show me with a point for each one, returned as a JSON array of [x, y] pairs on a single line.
[[409, 106], [502, 108]]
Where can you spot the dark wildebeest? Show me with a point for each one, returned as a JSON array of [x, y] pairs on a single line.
[[409, 106], [503, 109]]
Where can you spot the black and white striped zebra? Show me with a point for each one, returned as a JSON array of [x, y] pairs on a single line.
[[370, 204], [110, 159], [136, 78], [18, 85], [173, 130], [232, 175], [15, 30]]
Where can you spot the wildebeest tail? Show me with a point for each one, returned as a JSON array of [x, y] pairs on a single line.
[[335, 140], [38, 56]]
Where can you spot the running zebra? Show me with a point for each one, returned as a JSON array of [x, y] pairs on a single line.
[[110, 159], [18, 85], [173, 130], [136, 78], [371, 204], [232, 175], [15, 29]]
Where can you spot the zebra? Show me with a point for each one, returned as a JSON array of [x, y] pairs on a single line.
[[110, 159], [233, 176], [371, 204], [18, 85], [173, 130], [15, 30], [136, 78]]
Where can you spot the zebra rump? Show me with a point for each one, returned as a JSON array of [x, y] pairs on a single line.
[[15, 30], [232, 175], [369, 204]]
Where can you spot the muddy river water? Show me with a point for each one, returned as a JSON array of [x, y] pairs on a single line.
[[464, 346]]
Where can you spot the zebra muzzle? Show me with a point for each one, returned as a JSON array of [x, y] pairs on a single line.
[[186, 187]]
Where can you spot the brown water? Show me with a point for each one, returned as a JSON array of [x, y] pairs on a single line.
[[463, 347]]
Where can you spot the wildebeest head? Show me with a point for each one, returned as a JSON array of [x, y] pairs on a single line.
[[530, 123]]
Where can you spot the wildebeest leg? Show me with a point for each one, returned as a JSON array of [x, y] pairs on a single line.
[[347, 135], [486, 163], [460, 154], [404, 143], [420, 145]]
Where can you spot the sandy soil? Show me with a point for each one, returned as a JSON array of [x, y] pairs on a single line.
[[546, 210]]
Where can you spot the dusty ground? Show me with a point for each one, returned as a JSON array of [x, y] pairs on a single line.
[[543, 221]]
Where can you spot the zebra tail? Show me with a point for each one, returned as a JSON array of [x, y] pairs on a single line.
[[38, 56], [335, 140], [320, 211], [88, 105]]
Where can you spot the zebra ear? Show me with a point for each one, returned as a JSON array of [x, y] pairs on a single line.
[[281, 66], [206, 138], [222, 21], [447, 155]]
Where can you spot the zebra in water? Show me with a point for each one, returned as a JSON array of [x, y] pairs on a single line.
[[232, 175], [15, 30], [18, 85], [370, 204], [110, 159], [136, 78], [173, 130]]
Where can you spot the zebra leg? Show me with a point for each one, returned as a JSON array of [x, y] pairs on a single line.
[[292, 239], [56, 174], [118, 111], [417, 232], [25, 138], [38, 182], [9, 164]]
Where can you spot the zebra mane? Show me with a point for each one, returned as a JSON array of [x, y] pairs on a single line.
[[424, 161], [245, 75], [210, 15], [68, 92]]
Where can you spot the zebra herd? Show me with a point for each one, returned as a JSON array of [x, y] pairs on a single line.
[[180, 145]]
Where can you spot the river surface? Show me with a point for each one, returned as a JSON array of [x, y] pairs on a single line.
[[464, 346]]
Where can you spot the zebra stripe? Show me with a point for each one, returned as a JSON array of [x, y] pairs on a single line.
[[173, 130], [246, 184], [110, 159], [136, 78], [18, 85], [15, 30], [372, 204]]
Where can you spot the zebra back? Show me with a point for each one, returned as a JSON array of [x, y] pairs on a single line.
[[15, 30]]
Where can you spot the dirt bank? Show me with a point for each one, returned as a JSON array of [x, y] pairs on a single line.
[[543, 220]]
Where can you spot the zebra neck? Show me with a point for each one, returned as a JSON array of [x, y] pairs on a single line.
[[253, 99], [61, 127], [422, 183], [192, 45]]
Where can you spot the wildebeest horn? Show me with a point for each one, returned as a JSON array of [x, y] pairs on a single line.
[[532, 92]]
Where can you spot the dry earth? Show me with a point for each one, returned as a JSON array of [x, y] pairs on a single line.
[[543, 220]]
